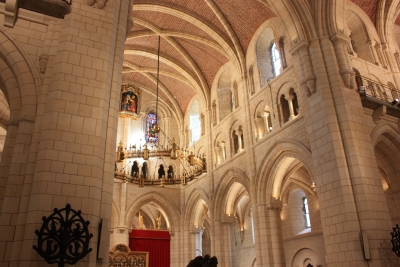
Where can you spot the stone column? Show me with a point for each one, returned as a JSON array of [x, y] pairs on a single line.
[[393, 66], [259, 128], [266, 115], [240, 134], [345, 70], [223, 151], [218, 155], [381, 56], [289, 99], [121, 230], [373, 51], [227, 236], [274, 227], [196, 241], [251, 80]]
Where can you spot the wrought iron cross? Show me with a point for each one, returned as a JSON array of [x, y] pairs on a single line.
[[64, 237]]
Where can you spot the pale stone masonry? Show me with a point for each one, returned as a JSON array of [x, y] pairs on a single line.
[[300, 165]]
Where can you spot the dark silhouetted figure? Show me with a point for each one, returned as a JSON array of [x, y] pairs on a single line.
[[144, 170], [205, 261], [170, 172], [161, 172], [135, 169]]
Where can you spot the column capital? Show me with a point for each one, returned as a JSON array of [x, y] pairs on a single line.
[[228, 219], [274, 205]]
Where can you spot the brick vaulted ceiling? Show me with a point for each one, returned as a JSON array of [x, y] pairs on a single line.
[[197, 38]]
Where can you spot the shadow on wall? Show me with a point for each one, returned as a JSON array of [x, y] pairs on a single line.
[[387, 256]]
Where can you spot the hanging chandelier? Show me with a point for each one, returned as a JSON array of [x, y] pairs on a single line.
[[191, 166]]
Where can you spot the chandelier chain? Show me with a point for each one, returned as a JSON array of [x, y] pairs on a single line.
[[158, 73]]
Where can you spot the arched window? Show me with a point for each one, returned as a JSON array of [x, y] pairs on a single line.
[[195, 123], [151, 136], [306, 211], [276, 59]]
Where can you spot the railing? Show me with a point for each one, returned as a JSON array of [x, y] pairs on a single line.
[[368, 87]]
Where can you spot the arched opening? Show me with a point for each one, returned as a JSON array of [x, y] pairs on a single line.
[[195, 122], [285, 109], [264, 56], [225, 95], [237, 210], [359, 37], [276, 59], [386, 153], [295, 102]]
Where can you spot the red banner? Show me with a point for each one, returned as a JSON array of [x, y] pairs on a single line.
[[157, 243]]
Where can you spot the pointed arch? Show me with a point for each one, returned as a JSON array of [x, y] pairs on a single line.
[[286, 148], [171, 210]]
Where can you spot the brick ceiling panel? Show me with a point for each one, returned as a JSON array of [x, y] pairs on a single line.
[[145, 62], [397, 22], [181, 91], [368, 6], [151, 43], [240, 22], [208, 59], [165, 21], [198, 7], [137, 27]]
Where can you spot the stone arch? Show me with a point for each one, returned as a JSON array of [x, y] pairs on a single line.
[[233, 175], [302, 246], [171, 210], [263, 55], [280, 150], [194, 197], [368, 24], [359, 36]]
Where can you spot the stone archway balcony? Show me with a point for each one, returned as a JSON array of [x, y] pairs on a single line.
[[379, 97]]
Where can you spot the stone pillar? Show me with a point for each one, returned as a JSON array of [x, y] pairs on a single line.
[[226, 256], [346, 167], [121, 230], [373, 51], [223, 151], [240, 134], [345, 70], [289, 99], [397, 58], [218, 155], [259, 127], [263, 249], [196, 241], [303, 65], [251, 80], [274, 227], [393, 66], [266, 115], [381, 56], [76, 145]]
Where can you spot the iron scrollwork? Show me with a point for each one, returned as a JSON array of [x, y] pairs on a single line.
[[64, 237], [396, 240]]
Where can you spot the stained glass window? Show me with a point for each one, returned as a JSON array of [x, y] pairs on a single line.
[[150, 135]]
